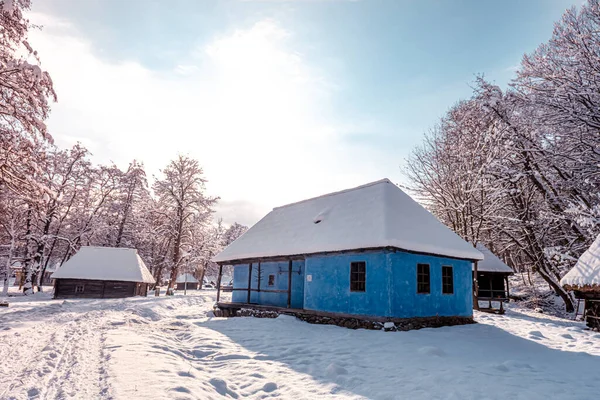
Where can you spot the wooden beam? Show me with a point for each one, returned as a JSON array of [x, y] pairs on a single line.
[[302, 256], [258, 277], [219, 282], [475, 287], [262, 290], [289, 300], [249, 281]]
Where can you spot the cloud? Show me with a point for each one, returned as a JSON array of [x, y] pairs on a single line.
[[253, 111]]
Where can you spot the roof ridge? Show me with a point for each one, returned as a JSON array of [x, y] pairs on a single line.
[[384, 180], [109, 247]]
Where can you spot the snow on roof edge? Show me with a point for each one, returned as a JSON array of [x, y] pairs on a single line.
[[585, 274]]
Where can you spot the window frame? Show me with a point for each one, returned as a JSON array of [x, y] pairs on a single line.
[[423, 274], [77, 291], [270, 283], [445, 277], [358, 285]]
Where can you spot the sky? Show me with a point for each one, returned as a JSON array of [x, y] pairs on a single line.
[[279, 100]]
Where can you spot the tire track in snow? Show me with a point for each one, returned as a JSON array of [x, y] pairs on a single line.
[[65, 361]]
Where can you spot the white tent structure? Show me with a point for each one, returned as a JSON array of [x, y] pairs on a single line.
[[102, 272], [375, 215]]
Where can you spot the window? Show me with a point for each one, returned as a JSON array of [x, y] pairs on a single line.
[[423, 278], [79, 289], [271, 280], [358, 275], [447, 280]]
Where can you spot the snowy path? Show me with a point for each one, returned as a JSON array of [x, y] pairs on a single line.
[[170, 348]]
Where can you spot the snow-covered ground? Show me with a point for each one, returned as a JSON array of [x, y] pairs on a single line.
[[170, 347]]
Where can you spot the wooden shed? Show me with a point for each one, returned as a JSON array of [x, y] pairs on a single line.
[[186, 282], [490, 280], [102, 272], [584, 280]]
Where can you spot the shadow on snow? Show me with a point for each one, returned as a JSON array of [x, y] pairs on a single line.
[[474, 361]]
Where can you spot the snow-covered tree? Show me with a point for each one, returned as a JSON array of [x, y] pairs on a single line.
[[25, 93], [183, 204], [518, 169]]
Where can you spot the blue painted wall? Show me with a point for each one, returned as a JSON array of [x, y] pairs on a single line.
[[407, 302], [322, 283], [280, 271], [391, 286]]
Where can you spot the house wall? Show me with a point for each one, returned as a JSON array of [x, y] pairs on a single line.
[[322, 283], [280, 271], [65, 288], [408, 303], [190, 286], [391, 285], [329, 288]]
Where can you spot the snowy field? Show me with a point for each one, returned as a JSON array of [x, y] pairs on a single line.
[[170, 347]]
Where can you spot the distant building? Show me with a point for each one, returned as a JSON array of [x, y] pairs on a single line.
[[584, 280], [102, 272], [366, 251], [491, 282], [186, 281], [47, 278]]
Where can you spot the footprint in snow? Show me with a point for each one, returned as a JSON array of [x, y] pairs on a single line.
[[567, 336], [221, 387], [181, 389], [270, 387], [536, 335]]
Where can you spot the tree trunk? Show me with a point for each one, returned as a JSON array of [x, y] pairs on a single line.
[[202, 276], [569, 307]]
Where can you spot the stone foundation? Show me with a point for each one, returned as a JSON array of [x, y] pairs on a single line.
[[394, 324]]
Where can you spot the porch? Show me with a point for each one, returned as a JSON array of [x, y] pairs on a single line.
[[260, 284]]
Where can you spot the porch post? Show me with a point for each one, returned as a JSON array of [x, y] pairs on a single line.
[[249, 281], [289, 300], [475, 288], [219, 282], [258, 276], [507, 289]]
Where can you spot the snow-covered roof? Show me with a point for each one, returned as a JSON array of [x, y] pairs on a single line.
[[374, 215], [586, 272], [491, 263], [186, 278], [105, 263]]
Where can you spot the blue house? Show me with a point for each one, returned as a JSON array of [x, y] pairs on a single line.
[[367, 251]]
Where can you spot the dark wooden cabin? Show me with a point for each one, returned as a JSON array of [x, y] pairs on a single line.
[[102, 272], [490, 281], [186, 282]]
